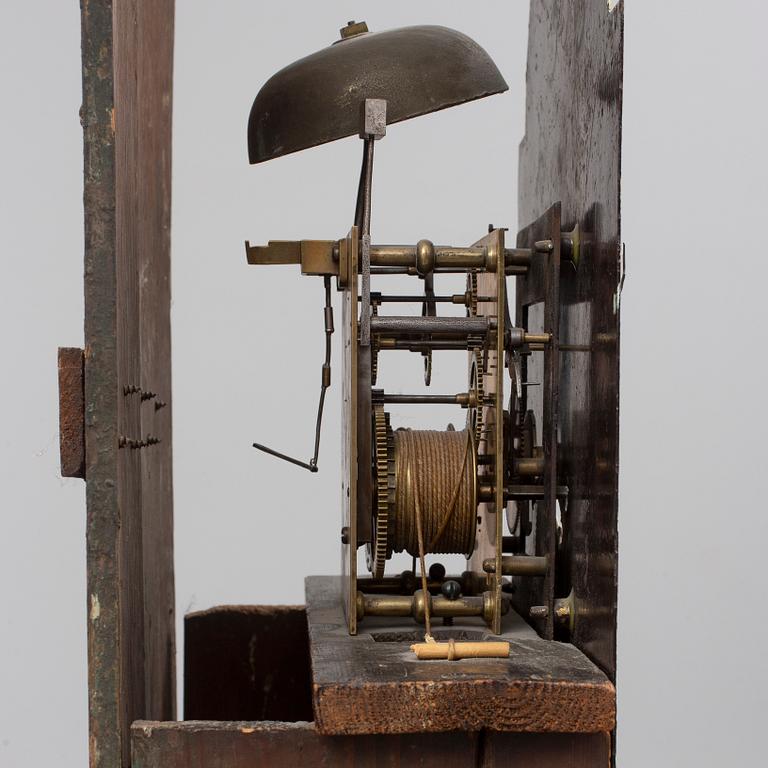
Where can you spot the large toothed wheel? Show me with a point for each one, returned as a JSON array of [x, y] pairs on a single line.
[[384, 470]]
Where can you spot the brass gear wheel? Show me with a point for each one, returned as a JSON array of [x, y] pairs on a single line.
[[374, 361], [476, 383], [384, 469], [477, 370], [374, 350], [472, 292], [527, 435]]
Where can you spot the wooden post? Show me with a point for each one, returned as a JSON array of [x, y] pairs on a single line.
[[127, 55]]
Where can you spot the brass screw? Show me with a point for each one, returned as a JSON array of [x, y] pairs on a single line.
[[352, 29]]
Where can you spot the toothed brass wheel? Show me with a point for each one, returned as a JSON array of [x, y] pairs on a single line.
[[384, 471], [472, 292], [476, 384]]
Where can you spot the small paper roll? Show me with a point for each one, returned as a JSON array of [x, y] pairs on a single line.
[[454, 651]]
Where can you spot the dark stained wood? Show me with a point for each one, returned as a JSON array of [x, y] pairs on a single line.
[[71, 412], [106, 725], [250, 744], [127, 54], [554, 750], [247, 663], [571, 153], [277, 745], [362, 686]]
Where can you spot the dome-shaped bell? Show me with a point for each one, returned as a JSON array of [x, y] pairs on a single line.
[[317, 99]]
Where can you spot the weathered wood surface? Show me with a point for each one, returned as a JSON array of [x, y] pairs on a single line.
[[251, 744], [360, 686], [127, 57], [571, 153], [71, 412], [247, 663]]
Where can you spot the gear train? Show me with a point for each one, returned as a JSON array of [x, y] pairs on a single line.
[[478, 491]]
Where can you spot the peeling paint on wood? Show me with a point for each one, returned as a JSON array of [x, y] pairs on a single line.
[[95, 608]]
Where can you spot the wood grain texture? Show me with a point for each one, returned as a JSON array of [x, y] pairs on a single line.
[[572, 153], [247, 663], [361, 686], [286, 745], [127, 52], [71, 412]]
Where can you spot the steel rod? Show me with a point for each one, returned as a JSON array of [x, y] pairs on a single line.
[[485, 492], [423, 346], [402, 299], [454, 298], [469, 326], [421, 399]]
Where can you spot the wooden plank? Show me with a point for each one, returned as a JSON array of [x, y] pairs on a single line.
[[102, 528], [151, 199], [127, 66], [249, 744], [200, 744], [71, 412], [571, 153], [555, 750], [247, 663], [362, 686]]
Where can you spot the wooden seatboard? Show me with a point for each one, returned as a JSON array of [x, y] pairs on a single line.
[[127, 62], [207, 744], [361, 686]]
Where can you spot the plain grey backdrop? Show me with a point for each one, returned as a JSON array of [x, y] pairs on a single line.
[[247, 344]]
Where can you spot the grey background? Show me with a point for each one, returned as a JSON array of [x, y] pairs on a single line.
[[692, 668]]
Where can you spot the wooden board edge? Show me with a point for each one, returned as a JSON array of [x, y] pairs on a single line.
[[540, 707]]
